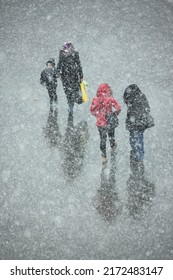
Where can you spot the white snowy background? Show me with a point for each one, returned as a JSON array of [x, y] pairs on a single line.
[[44, 214]]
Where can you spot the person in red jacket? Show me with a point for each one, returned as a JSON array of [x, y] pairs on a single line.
[[101, 105]]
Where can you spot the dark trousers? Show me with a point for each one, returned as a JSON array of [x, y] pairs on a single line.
[[137, 144], [104, 131], [52, 93], [73, 96]]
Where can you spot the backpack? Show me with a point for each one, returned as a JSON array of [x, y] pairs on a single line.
[[112, 120]]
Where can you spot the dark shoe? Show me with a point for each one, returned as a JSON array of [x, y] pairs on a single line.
[[114, 147], [137, 168]]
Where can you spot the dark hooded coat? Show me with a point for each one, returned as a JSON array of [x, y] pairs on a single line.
[[137, 109]]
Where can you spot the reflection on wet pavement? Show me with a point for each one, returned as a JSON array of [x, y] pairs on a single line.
[[140, 190], [74, 147], [107, 202], [52, 130], [72, 144]]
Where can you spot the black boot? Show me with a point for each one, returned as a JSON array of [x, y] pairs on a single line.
[[137, 166]]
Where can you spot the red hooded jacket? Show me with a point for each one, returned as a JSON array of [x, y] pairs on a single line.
[[102, 105]]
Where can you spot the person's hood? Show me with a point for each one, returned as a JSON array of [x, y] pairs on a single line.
[[131, 93], [104, 90], [68, 48], [52, 61]]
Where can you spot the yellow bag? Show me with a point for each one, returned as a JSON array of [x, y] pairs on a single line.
[[83, 88]]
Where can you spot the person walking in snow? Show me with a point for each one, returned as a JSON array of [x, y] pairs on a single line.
[[49, 79], [70, 70], [101, 106], [137, 121]]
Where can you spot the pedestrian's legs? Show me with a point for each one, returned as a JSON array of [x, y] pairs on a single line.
[[137, 167], [70, 99], [55, 97], [137, 144], [50, 96], [111, 135], [103, 137]]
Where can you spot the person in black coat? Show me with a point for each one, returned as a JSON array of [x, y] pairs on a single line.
[[70, 70], [49, 79], [138, 119]]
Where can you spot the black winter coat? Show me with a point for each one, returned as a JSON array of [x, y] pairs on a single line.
[[137, 109], [48, 77], [69, 69]]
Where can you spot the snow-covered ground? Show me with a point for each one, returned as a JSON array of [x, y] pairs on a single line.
[[56, 202]]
